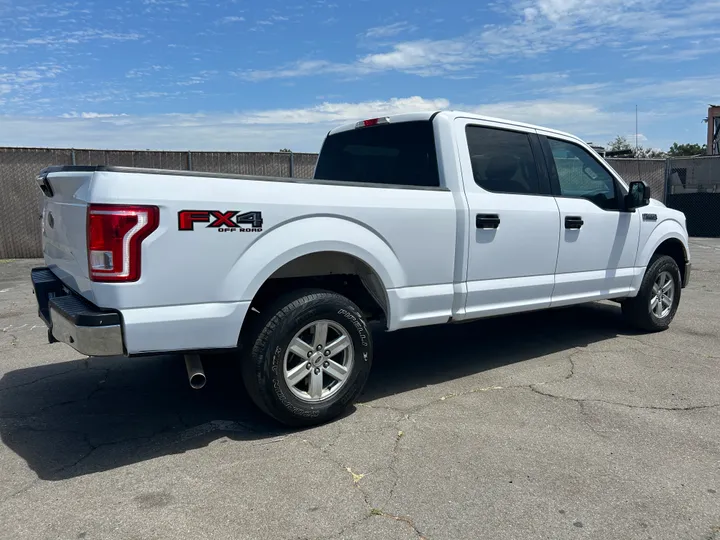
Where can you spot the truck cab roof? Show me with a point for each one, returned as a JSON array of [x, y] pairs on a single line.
[[451, 115]]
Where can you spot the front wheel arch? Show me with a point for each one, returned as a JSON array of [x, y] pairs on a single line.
[[674, 248]]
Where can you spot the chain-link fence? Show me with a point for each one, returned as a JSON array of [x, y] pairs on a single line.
[[694, 188], [652, 171], [691, 185], [20, 199]]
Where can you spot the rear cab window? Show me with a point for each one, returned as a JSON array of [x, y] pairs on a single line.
[[401, 154]]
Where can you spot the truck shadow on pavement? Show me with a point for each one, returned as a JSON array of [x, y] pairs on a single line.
[[75, 418]]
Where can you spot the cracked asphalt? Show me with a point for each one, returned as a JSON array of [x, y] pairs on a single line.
[[558, 425]]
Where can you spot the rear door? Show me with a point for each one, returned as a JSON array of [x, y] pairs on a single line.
[[599, 239], [514, 220]]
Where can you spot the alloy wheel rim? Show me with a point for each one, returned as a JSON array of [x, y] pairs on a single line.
[[663, 294], [318, 361]]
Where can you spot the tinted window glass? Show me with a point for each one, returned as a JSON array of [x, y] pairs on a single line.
[[502, 161], [399, 154], [580, 175]]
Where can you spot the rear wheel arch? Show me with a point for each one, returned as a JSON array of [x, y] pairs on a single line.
[[299, 238], [335, 271]]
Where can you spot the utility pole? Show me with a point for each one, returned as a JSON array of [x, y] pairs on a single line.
[[636, 130]]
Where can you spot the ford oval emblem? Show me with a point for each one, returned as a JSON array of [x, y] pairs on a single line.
[[51, 220]]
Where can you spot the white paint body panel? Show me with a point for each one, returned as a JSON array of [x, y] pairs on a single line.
[[597, 260], [510, 268], [63, 227], [422, 244]]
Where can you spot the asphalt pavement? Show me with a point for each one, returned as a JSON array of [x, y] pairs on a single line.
[[561, 425]]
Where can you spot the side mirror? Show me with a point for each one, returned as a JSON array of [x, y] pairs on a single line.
[[638, 196]]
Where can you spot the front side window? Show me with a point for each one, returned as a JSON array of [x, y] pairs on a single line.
[[581, 176], [502, 161]]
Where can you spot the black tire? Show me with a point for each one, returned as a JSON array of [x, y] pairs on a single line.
[[263, 361], [637, 310]]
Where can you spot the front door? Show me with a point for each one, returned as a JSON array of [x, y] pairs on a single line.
[[599, 240], [514, 220]]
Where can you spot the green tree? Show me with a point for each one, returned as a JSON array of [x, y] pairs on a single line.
[[688, 149], [286, 150], [649, 153], [618, 144]]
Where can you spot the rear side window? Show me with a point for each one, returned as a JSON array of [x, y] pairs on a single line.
[[396, 154], [502, 161]]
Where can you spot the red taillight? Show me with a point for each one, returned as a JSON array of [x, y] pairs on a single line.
[[114, 236]]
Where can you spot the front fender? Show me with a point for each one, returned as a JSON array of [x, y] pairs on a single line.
[[666, 230], [297, 238]]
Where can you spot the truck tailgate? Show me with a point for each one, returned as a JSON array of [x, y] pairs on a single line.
[[64, 223]]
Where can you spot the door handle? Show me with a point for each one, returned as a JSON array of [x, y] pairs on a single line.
[[573, 222], [487, 221]]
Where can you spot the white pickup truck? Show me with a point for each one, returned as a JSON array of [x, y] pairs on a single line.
[[410, 220]]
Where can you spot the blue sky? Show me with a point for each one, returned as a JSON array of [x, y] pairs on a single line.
[[263, 75]]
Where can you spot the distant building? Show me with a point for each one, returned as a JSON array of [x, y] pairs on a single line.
[[599, 149], [713, 134]]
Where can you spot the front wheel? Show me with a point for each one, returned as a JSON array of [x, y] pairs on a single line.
[[310, 358], [654, 307]]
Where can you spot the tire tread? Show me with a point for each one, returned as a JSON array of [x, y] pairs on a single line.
[[635, 309], [272, 322]]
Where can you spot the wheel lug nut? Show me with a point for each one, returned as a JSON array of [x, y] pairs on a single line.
[[327, 352], [319, 347], [317, 370], [309, 354], [326, 364], [308, 365]]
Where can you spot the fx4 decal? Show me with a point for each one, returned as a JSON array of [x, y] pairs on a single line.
[[232, 221]]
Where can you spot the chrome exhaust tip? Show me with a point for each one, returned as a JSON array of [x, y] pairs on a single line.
[[195, 371]]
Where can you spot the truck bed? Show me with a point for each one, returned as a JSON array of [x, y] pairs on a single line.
[[197, 283]]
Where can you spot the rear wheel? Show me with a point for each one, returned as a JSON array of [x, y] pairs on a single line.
[[309, 357], [654, 307]]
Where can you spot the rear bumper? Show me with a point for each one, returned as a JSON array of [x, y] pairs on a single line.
[[73, 320]]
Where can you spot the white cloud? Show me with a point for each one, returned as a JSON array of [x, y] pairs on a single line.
[[231, 19], [423, 57], [537, 27], [388, 30], [57, 39], [301, 129], [24, 86], [550, 76], [344, 112], [586, 120], [31, 74], [143, 72], [298, 69], [87, 115]]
